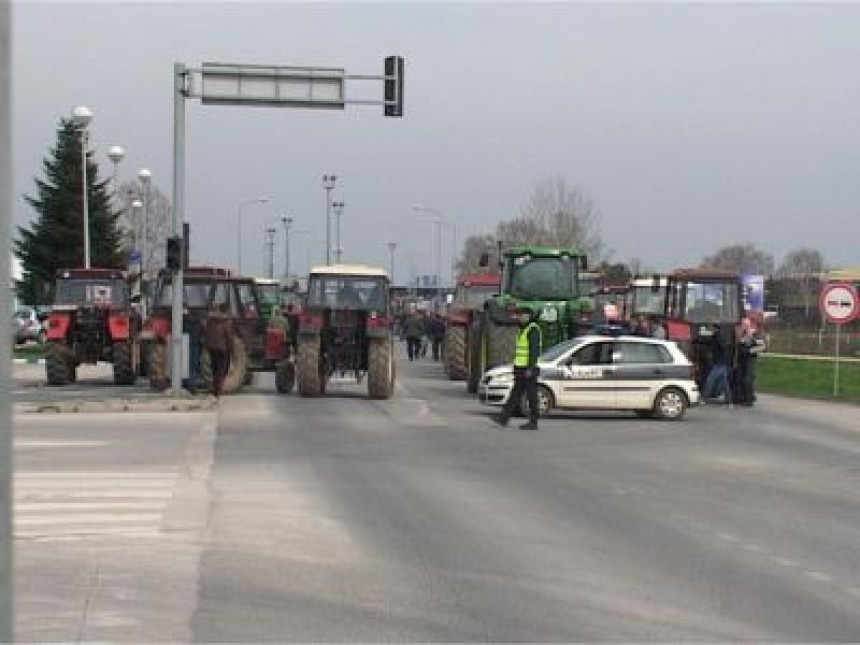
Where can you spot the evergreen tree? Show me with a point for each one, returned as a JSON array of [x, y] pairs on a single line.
[[55, 239]]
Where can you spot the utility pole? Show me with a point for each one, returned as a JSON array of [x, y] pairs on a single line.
[[270, 243], [338, 211], [5, 318], [328, 184], [392, 246], [287, 222]]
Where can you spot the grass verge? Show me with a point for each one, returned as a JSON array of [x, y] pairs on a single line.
[[811, 379], [28, 351]]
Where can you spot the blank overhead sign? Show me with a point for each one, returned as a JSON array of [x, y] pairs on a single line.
[[230, 84]]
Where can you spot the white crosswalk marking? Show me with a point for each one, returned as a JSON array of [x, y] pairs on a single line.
[[90, 505]]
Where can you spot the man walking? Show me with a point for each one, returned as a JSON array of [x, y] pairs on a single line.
[[749, 347], [414, 329], [218, 339], [722, 360], [437, 335], [528, 349]]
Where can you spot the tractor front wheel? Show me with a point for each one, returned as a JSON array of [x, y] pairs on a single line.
[[124, 372], [310, 374], [380, 369], [456, 366], [59, 365]]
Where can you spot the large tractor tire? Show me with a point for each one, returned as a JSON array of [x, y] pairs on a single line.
[[285, 377], [59, 366], [237, 371], [501, 344], [456, 337], [380, 369], [124, 370], [309, 371], [476, 350], [156, 366]]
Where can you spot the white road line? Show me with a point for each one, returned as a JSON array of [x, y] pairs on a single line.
[[29, 507], [87, 518], [818, 576], [95, 483], [77, 534], [36, 495], [24, 444], [78, 474]]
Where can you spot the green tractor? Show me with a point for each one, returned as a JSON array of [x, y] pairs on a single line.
[[543, 279]]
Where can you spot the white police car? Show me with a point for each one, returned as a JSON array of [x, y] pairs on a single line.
[[651, 377]]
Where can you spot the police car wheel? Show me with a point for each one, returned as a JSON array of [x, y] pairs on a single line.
[[670, 404], [545, 402]]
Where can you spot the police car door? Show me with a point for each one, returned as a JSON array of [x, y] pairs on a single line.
[[587, 377], [639, 370]]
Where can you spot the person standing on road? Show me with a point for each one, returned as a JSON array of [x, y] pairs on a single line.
[[749, 347], [722, 359], [528, 349], [193, 326], [437, 335], [413, 329], [218, 340]]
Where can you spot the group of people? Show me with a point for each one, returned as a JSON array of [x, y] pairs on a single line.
[[420, 330], [733, 362]]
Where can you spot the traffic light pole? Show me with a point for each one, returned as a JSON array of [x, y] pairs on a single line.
[[270, 85], [5, 318], [179, 90]]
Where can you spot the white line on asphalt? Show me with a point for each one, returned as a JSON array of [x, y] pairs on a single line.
[[55, 474], [52, 495], [128, 484], [87, 518], [818, 576], [728, 537], [27, 507], [78, 534], [57, 444], [787, 562]]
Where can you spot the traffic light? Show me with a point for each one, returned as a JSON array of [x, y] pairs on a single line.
[[174, 253], [393, 90]]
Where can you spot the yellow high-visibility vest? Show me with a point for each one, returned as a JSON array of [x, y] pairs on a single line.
[[521, 359]]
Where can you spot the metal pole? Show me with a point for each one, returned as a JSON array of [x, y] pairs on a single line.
[[391, 247], [270, 244], [86, 203], [179, 74], [239, 239], [5, 317], [328, 224], [287, 223], [836, 370], [144, 250], [439, 259]]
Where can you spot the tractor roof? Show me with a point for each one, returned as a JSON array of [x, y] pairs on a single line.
[[542, 251], [350, 270], [91, 274], [480, 280]]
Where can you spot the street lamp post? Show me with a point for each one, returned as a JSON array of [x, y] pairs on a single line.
[[136, 209], [81, 117], [145, 177], [271, 232], [328, 184], [440, 221], [287, 222], [259, 200], [116, 154], [338, 211], [392, 246]]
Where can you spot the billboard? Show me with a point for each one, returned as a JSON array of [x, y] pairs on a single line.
[[753, 292]]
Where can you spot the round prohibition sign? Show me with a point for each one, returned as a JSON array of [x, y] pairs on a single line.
[[839, 303]]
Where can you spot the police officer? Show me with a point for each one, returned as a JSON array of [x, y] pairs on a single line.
[[528, 350]]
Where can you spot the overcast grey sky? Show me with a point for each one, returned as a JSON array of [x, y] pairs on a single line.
[[690, 126]]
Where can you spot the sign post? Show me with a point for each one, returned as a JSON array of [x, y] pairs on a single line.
[[839, 306]]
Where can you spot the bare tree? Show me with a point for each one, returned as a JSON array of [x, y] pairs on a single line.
[[158, 221], [473, 248], [803, 267], [743, 258], [560, 216]]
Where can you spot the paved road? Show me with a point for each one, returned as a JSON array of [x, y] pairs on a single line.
[[417, 519]]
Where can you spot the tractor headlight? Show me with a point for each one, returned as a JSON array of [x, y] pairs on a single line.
[[549, 314]]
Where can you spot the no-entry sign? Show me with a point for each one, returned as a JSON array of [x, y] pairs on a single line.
[[839, 303]]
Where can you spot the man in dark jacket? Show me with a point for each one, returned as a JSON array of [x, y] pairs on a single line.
[[437, 335], [414, 330], [722, 346], [528, 349]]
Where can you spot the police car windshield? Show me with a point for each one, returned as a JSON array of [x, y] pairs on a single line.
[[557, 351]]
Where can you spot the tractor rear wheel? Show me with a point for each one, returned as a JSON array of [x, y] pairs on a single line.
[[58, 364], [237, 370], [380, 369], [156, 366], [124, 372], [310, 372], [455, 353], [501, 343]]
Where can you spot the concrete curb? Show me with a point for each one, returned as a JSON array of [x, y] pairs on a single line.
[[118, 406], [811, 357]]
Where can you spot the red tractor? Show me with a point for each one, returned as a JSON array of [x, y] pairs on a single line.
[[91, 321], [471, 294], [695, 301]]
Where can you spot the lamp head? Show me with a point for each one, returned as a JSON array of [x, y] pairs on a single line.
[[116, 153], [81, 116], [144, 175]]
